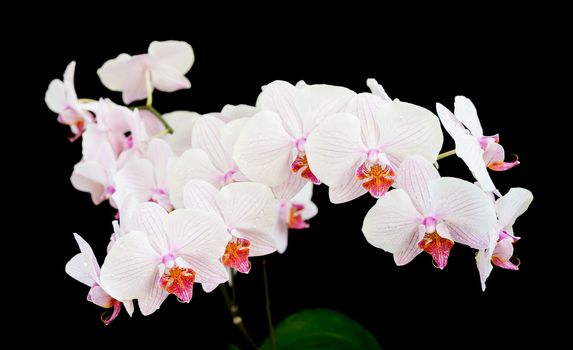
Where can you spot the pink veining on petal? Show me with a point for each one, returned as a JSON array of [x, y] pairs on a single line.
[[505, 264], [179, 282], [295, 217], [302, 163], [236, 255], [378, 178], [502, 166], [438, 247]]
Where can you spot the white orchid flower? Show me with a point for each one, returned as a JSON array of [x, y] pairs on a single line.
[[429, 213], [163, 67], [84, 268], [165, 254], [146, 178], [247, 212], [479, 152], [500, 250], [361, 150], [271, 148], [61, 98]]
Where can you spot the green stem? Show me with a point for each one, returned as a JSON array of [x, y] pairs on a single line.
[[237, 319], [158, 115], [446, 154], [268, 307]]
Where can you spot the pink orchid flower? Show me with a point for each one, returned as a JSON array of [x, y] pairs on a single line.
[[165, 254], [271, 148], [210, 157], [163, 67], [247, 212], [293, 213], [360, 151], [61, 98], [479, 152], [84, 268], [429, 213], [500, 250], [146, 178]]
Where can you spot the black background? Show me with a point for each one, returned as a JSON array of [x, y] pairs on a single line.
[[491, 61]]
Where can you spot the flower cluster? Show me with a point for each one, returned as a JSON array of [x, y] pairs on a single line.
[[199, 195]]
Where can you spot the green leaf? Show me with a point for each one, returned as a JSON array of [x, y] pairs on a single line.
[[233, 347], [318, 329]]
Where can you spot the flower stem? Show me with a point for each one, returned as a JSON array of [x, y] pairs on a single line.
[[158, 115], [446, 154], [149, 88], [237, 319], [268, 307]]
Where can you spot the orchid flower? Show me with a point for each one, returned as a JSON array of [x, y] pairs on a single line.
[[500, 250], [247, 212], [95, 172], [163, 67], [361, 150], [61, 98], [479, 152], [293, 213], [165, 254], [210, 157], [146, 178], [271, 148], [84, 268], [429, 213]]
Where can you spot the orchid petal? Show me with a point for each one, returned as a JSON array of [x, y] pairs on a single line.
[[130, 268], [316, 102], [230, 133], [279, 97], [465, 208], [263, 150], [150, 217], [415, 176], [251, 209], [79, 269], [391, 223], [334, 147], [378, 90], [207, 136], [200, 238], [200, 195], [469, 150], [154, 296], [159, 153], [182, 123], [136, 177], [232, 112], [290, 187], [90, 177], [368, 108], [407, 129], [512, 205], [193, 164], [176, 54], [168, 79], [466, 113], [55, 97]]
